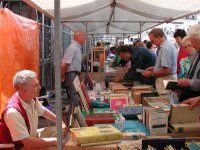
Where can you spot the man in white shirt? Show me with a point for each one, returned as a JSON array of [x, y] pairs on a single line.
[[71, 67], [20, 115]]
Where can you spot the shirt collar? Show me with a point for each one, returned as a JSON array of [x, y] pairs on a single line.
[[163, 43], [24, 104], [77, 44]]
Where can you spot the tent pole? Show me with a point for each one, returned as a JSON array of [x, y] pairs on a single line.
[[42, 45], [86, 47], [57, 72], [140, 36]]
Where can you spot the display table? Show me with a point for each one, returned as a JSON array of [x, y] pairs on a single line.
[[70, 145]]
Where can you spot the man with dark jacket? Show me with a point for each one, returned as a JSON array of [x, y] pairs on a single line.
[[141, 58]]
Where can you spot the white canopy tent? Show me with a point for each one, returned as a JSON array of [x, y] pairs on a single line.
[[117, 17]]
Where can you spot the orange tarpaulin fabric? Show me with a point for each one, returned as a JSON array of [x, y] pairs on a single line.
[[19, 49]]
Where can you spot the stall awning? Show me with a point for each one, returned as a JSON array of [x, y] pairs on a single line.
[[101, 17]]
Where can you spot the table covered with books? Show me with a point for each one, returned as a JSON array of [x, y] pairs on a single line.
[[143, 118], [71, 145]]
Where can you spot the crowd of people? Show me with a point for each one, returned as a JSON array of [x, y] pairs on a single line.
[[167, 62], [20, 116]]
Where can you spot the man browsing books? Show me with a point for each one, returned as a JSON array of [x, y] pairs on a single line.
[[191, 84], [141, 58], [165, 67]]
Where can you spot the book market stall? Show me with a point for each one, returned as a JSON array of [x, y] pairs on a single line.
[[109, 115]]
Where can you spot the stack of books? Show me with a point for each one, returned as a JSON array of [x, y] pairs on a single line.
[[96, 135], [156, 120], [138, 92], [118, 88], [158, 102]]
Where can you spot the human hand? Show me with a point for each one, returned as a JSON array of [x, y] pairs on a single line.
[[183, 82], [192, 102], [117, 79], [149, 69], [147, 73], [64, 129]]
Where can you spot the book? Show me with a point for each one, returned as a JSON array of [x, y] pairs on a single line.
[[182, 119], [161, 143], [130, 112], [94, 134], [140, 70], [103, 111], [79, 117], [118, 100], [85, 92], [83, 100], [140, 88], [171, 84], [93, 119], [156, 120]]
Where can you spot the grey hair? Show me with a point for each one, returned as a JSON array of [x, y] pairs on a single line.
[[22, 77], [185, 39], [194, 31]]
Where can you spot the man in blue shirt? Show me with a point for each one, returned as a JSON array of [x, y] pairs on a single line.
[[166, 62]]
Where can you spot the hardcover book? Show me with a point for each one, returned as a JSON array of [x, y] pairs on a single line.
[[118, 100], [85, 92], [182, 119], [130, 112], [95, 134], [140, 88], [171, 84], [93, 119]]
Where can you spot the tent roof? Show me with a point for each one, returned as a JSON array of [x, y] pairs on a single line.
[[99, 17]]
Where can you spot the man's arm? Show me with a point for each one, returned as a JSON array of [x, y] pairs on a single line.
[[51, 116], [162, 72], [64, 68], [34, 142]]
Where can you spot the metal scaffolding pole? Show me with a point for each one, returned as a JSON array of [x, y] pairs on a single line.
[[57, 39], [87, 48]]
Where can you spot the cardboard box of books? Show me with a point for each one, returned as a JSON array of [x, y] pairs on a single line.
[[156, 120], [183, 119]]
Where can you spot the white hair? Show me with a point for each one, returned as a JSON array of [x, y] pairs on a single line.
[[194, 31], [22, 77], [185, 39]]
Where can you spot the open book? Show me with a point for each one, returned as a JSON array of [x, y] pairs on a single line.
[[171, 84]]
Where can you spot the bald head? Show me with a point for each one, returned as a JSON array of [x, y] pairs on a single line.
[[79, 36]]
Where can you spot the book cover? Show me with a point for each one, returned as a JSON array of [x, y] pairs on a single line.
[[79, 117], [83, 101], [161, 143], [93, 119], [118, 100], [85, 92], [142, 88], [190, 121], [171, 84], [180, 110], [95, 134], [130, 112]]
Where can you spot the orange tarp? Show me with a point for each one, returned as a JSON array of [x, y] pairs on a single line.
[[19, 49]]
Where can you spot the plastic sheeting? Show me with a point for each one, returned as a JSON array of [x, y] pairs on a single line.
[[19, 49]]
